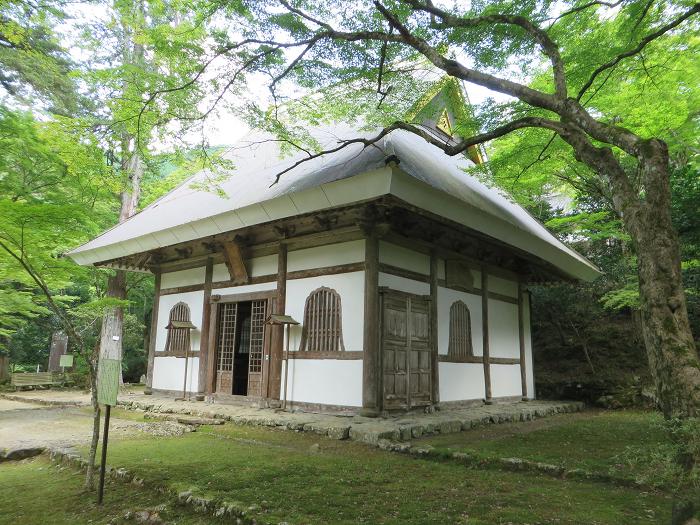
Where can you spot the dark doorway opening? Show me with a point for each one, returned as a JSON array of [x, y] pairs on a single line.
[[241, 356]]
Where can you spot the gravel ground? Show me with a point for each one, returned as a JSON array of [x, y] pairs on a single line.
[[25, 425]]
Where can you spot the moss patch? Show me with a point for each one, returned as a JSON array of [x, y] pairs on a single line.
[[302, 478], [592, 440], [36, 492]]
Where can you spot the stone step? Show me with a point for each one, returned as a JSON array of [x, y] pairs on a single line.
[[184, 419]]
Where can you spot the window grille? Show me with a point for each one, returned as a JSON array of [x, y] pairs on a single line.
[[178, 340], [322, 330], [460, 331]]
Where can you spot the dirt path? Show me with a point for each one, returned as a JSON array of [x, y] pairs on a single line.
[[27, 425]]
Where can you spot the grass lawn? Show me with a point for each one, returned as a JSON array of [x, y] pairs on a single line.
[[35, 492], [302, 478], [590, 440]]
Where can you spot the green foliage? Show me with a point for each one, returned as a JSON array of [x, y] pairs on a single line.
[[32, 61]]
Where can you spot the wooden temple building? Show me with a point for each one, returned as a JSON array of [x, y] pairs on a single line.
[[407, 275]]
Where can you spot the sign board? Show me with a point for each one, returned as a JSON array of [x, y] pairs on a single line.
[[108, 372], [109, 366], [66, 360]]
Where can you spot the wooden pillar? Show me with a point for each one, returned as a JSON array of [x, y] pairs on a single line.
[[211, 345], [204, 350], [153, 334], [371, 373], [277, 344], [435, 371], [485, 330], [521, 333]]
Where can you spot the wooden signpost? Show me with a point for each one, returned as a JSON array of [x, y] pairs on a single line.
[[109, 370]]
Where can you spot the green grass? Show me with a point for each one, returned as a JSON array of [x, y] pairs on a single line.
[[35, 492], [345, 482], [592, 441]]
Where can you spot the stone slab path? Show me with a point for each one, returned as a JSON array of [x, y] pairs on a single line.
[[397, 428]]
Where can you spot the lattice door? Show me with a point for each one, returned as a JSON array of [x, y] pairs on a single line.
[[406, 364], [256, 364], [228, 312]]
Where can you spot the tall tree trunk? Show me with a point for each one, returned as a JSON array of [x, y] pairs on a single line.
[[673, 358]]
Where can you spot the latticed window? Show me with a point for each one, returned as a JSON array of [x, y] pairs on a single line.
[[460, 331], [323, 330], [179, 326]]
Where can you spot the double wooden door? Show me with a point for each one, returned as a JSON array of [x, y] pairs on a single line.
[[242, 353], [406, 350]]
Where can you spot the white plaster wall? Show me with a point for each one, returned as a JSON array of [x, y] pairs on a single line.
[[327, 381], [530, 371], [246, 288], [182, 278], [504, 337], [195, 300], [505, 380], [404, 258], [461, 381], [328, 255], [446, 297], [502, 286], [169, 373], [403, 284], [257, 266], [350, 286]]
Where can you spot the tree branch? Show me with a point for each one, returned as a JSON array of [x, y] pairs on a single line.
[[548, 45], [449, 149], [642, 44]]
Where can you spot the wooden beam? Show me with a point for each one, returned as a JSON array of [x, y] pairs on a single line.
[[435, 372], [341, 356], [485, 330], [521, 334], [277, 331], [234, 262], [371, 372], [477, 359], [204, 350], [153, 334]]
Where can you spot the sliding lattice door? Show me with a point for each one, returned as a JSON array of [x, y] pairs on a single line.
[[226, 342]]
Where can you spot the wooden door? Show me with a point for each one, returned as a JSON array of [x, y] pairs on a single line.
[[225, 347], [257, 358], [406, 349]]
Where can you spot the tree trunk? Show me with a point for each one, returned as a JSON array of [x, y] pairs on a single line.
[[90, 474], [673, 357]]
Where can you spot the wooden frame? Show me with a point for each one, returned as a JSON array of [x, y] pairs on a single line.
[[153, 333], [323, 312], [241, 297], [204, 337], [485, 330], [444, 358], [371, 372], [435, 369], [180, 337], [460, 331], [342, 356], [270, 278], [521, 339], [276, 332], [233, 258], [406, 341]]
